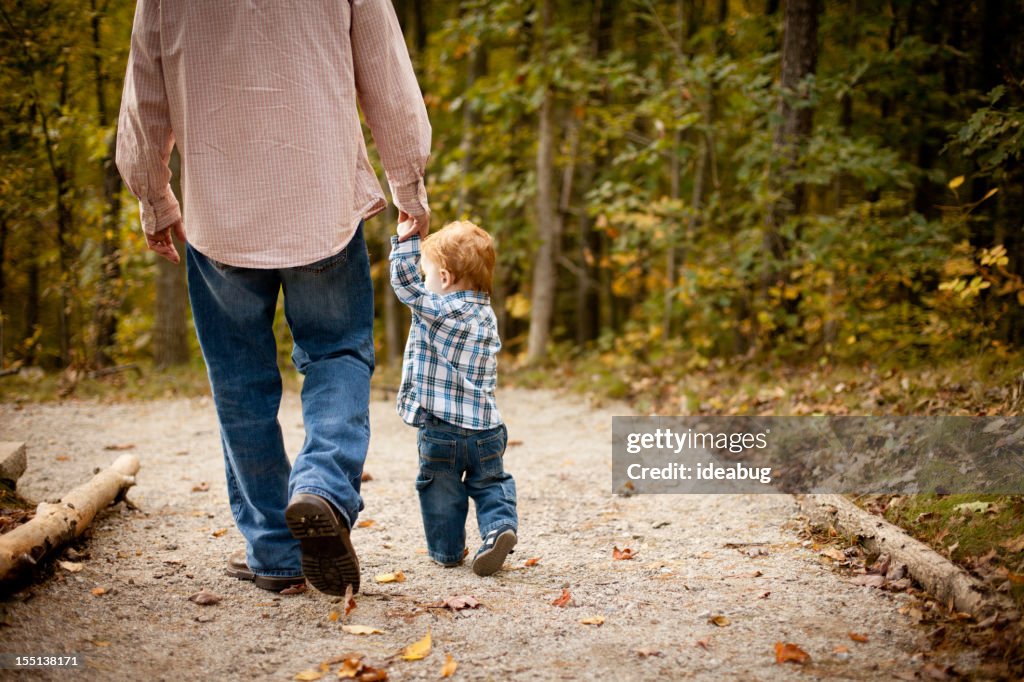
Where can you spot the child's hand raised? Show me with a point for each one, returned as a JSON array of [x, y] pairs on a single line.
[[408, 225]]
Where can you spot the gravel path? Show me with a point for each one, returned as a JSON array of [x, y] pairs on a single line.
[[657, 608]]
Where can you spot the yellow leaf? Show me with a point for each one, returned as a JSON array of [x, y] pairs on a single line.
[[720, 621], [350, 667], [365, 524], [417, 650], [100, 642], [990, 193], [593, 620], [396, 577], [361, 630], [219, 532], [308, 675], [956, 182], [448, 669], [99, 591]]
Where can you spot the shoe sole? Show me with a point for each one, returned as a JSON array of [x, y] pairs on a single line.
[[328, 559], [493, 559]]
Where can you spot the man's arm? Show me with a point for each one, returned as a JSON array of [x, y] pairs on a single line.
[[144, 135], [406, 281], [392, 103]]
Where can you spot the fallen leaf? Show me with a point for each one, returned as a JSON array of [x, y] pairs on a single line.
[[201, 487], [417, 650], [297, 588], [787, 652], [62, 458], [840, 649], [366, 477], [448, 669], [396, 577], [350, 666], [349, 601], [857, 637], [71, 566], [461, 602], [975, 507], [204, 598], [869, 580], [703, 644], [100, 642], [719, 620], [333, 616], [563, 600], [514, 442], [219, 532], [764, 595], [531, 561], [365, 524], [834, 554], [622, 555], [1015, 545], [593, 620], [99, 591], [361, 630], [126, 446], [307, 675], [645, 653]]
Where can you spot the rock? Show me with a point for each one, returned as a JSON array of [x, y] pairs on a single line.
[[12, 462]]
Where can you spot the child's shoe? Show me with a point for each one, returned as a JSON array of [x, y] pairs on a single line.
[[497, 545]]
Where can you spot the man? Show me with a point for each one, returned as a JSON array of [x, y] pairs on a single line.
[[260, 98]]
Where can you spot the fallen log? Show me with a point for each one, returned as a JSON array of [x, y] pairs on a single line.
[[943, 579], [56, 524]]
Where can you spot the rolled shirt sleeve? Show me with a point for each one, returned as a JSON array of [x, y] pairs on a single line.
[[391, 101], [144, 134]]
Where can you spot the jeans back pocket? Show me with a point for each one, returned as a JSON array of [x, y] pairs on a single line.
[[490, 448], [437, 451]]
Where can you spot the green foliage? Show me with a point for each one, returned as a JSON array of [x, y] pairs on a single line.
[[667, 169]]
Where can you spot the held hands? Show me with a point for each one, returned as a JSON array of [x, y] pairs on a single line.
[[162, 244], [409, 225]]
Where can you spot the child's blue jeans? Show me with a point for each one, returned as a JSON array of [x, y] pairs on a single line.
[[455, 465]]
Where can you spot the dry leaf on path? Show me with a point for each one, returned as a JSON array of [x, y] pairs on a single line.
[[396, 577], [366, 523], [99, 591], [126, 446], [869, 580], [703, 644], [857, 637], [448, 669], [307, 675], [645, 653], [593, 620], [787, 652], [720, 620], [417, 650], [204, 598], [201, 487], [219, 532], [297, 588], [366, 477], [70, 566], [460, 602], [622, 555], [563, 600], [531, 561], [361, 630], [348, 601]]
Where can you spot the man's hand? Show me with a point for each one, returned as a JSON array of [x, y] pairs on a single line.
[[422, 225], [162, 244]]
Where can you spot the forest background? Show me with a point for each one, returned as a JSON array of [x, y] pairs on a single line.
[[680, 191]]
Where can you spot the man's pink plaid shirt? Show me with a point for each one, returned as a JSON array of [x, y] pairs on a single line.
[[260, 99]]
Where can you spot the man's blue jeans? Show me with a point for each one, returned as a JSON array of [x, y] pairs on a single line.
[[456, 464], [329, 309]]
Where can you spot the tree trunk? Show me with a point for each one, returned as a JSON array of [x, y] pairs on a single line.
[[108, 299], [799, 59], [548, 218], [170, 322], [470, 117]]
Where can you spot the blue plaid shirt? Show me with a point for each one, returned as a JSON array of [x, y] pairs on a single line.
[[450, 368]]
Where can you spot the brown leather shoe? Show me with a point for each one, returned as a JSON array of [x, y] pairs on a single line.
[[328, 558], [239, 568]]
